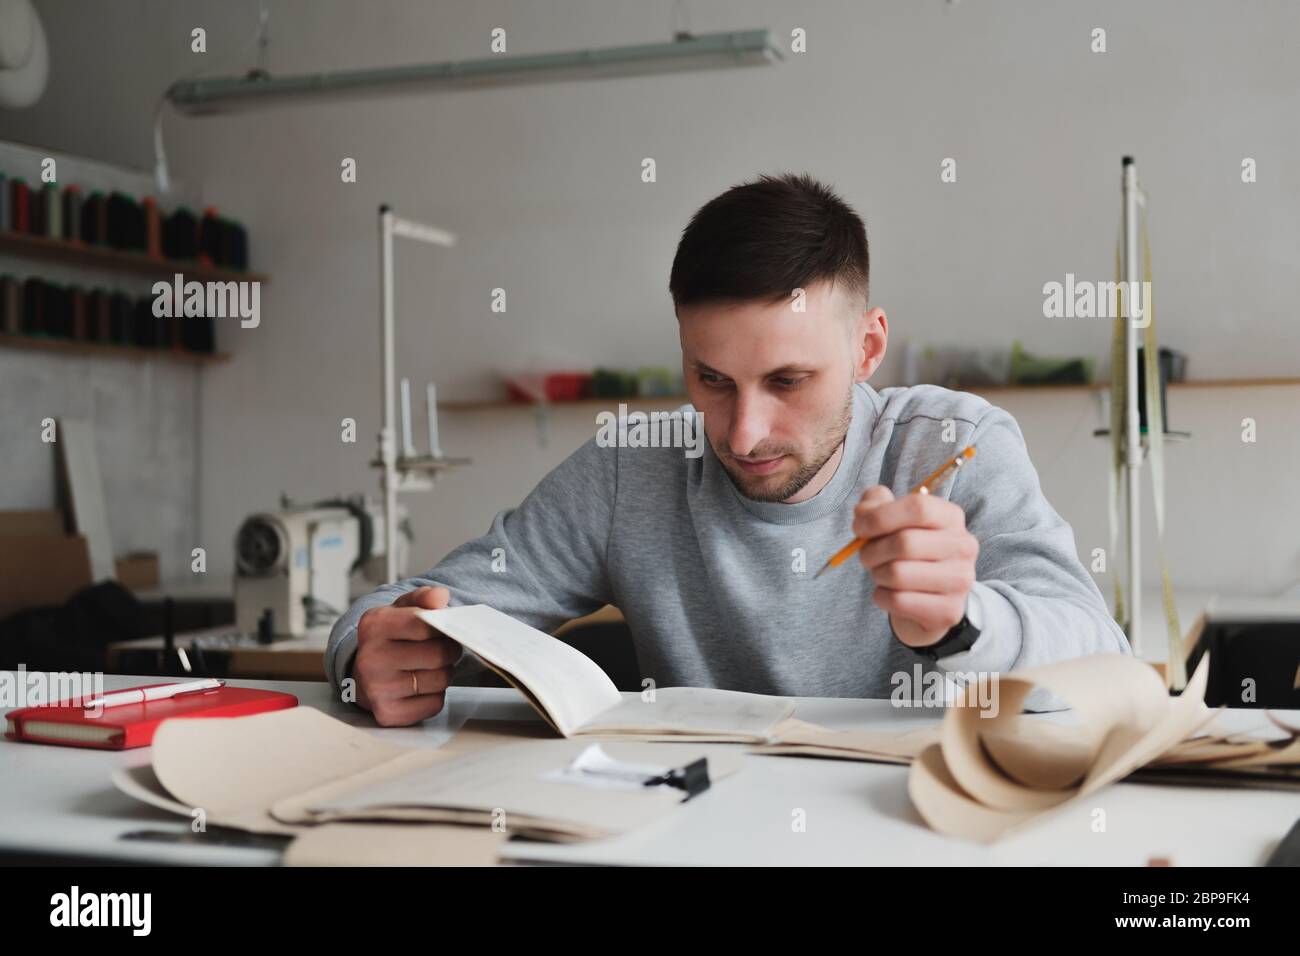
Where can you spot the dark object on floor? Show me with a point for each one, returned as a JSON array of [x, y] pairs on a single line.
[[71, 637]]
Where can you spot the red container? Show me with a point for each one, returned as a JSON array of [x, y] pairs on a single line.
[[567, 386], [555, 386]]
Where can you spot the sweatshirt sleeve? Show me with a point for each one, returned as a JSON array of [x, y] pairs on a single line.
[[1035, 600], [542, 563]]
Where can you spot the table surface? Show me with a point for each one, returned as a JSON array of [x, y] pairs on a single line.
[[61, 800]]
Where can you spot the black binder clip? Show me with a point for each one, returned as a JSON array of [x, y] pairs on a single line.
[[693, 778]]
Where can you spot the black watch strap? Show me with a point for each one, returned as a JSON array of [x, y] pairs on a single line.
[[960, 638]]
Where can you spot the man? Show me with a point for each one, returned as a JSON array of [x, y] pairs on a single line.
[[712, 558]]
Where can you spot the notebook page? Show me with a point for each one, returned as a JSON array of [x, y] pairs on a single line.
[[568, 687], [699, 712]]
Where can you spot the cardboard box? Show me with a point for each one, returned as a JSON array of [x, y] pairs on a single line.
[[38, 570], [32, 522], [138, 571]]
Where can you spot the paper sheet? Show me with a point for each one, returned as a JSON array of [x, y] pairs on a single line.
[[566, 686], [1124, 720], [478, 732], [394, 844], [1050, 759], [235, 768], [505, 785], [797, 738], [286, 771], [142, 784], [701, 713]]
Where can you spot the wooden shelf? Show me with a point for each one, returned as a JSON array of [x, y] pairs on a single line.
[[1235, 383], [1071, 387], [70, 347], [1102, 386], [117, 260], [656, 401], [675, 400]]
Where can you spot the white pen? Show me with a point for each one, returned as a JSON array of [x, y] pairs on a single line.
[[142, 695]]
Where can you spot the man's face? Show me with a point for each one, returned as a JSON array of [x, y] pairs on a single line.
[[775, 385]]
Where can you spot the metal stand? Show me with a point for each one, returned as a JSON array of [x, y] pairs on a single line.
[[407, 471], [1135, 444]]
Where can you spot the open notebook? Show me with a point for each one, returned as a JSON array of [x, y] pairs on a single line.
[[577, 698]]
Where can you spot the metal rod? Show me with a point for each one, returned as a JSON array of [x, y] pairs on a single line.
[[704, 51], [1132, 418], [418, 231], [431, 406], [408, 444], [387, 437]]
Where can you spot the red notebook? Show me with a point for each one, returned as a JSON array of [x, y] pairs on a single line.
[[133, 725]]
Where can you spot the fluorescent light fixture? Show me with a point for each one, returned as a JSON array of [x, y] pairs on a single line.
[[685, 54]]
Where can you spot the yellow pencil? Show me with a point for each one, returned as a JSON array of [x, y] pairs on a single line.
[[854, 546]]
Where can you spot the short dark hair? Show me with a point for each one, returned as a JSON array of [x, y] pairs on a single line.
[[761, 240]]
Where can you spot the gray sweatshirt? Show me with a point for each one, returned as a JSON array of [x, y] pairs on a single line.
[[719, 590]]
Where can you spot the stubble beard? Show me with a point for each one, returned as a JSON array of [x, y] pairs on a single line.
[[808, 468]]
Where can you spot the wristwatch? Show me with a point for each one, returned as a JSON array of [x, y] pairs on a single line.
[[960, 637]]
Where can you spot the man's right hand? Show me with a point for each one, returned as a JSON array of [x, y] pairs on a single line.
[[403, 666]]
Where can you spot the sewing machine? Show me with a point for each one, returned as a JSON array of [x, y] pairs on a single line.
[[297, 564]]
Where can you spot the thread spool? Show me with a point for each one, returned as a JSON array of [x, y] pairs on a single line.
[[20, 199], [52, 211], [72, 203], [152, 228]]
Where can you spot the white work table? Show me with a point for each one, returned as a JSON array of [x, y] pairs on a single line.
[[60, 800]]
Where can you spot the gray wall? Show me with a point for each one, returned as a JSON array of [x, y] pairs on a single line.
[[143, 410], [542, 186]]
